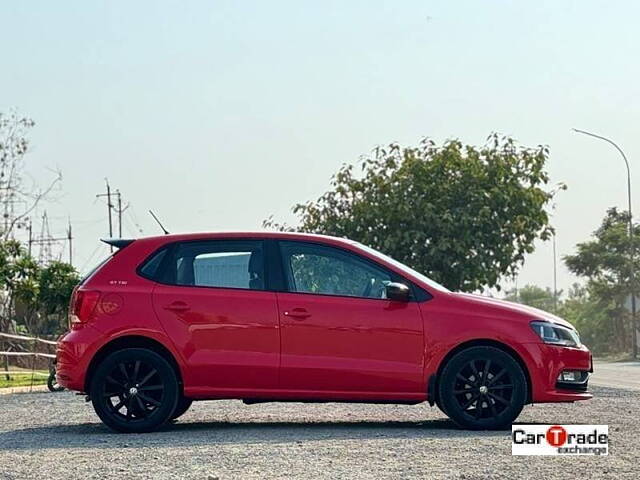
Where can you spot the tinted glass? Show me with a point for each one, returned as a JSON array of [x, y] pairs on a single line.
[[150, 268], [223, 264], [403, 267], [324, 270]]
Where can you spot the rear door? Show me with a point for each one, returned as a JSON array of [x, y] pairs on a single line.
[[339, 332], [213, 304]]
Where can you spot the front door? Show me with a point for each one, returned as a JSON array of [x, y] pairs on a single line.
[[214, 306], [339, 332]]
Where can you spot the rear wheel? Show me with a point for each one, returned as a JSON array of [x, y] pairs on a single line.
[[134, 390], [181, 408], [482, 388]]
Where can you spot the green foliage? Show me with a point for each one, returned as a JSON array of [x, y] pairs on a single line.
[[534, 296], [463, 215], [36, 298], [590, 317], [605, 262], [16, 267], [57, 281], [581, 308]]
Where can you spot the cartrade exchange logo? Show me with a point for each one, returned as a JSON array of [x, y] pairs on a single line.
[[559, 439]]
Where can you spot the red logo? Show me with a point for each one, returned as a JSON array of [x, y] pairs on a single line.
[[556, 436]]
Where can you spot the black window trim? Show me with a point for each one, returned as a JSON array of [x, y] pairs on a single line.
[[172, 247], [418, 294]]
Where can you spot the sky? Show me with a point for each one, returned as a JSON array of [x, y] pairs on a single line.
[[218, 114]]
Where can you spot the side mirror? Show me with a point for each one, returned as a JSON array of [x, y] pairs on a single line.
[[398, 292]]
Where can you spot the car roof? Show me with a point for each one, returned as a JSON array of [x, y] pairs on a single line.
[[176, 237]]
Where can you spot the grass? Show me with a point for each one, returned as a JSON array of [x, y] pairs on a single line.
[[22, 379]]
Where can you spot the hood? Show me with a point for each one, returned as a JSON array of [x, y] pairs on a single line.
[[529, 313]]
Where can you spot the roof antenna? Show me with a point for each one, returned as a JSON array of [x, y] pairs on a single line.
[[156, 219]]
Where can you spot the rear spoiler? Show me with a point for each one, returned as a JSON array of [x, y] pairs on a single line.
[[119, 243]]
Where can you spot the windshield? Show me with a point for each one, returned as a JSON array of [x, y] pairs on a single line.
[[404, 268]]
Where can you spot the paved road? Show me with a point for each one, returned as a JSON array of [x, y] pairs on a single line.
[[616, 375], [57, 435]]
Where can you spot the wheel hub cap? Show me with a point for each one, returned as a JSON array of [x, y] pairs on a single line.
[[133, 391], [484, 389]]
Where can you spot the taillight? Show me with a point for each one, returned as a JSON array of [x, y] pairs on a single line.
[[83, 303]]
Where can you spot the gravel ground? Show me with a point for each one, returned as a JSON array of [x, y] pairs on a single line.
[[44, 435]]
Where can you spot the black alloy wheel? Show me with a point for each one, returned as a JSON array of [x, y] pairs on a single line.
[[134, 390], [181, 408], [482, 388]]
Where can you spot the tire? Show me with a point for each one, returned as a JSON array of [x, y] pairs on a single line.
[[134, 390], [478, 403], [181, 408], [52, 383]]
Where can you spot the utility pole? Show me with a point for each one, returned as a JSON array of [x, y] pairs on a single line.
[[634, 325], [30, 230], [119, 214], [109, 207], [120, 211], [555, 276], [70, 239]]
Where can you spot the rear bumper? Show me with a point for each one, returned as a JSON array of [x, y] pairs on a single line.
[[548, 362], [73, 354]]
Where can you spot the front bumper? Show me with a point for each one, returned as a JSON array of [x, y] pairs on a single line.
[[547, 362]]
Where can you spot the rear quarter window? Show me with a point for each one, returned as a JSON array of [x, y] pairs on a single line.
[[150, 268]]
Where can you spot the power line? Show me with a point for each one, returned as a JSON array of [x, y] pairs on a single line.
[[46, 241]]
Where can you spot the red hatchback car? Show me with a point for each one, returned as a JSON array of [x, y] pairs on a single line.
[[307, 318]]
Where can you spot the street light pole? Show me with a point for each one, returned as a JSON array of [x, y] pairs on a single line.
[[634, 339]]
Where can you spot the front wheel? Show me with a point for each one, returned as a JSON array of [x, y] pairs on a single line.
[[134, 390], [482, 388]]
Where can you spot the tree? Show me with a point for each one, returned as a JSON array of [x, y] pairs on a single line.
[[590, 317], [17, 271], [463, 215], [35, 298], [604, 262], [56, 281], [534, 296], [14, 145]]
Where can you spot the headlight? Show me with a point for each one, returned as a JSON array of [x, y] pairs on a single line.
[[556, 334]]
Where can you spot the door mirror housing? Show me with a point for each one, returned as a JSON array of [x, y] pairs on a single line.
[[398, 292]]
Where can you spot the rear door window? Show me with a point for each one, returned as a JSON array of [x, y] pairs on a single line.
[[218, 263]]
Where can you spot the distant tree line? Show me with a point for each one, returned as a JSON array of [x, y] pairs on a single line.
[[600, 307]]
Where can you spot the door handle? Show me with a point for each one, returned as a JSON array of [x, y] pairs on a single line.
[[177, 307], [298, 313]]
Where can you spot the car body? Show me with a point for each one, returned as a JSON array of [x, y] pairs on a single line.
[[276, 316]]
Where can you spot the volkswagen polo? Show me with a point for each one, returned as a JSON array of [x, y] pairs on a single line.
[[265, 317]]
